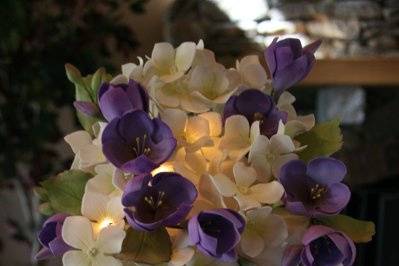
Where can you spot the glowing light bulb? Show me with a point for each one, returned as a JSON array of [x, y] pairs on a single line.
[[166, 167], [105, 223]]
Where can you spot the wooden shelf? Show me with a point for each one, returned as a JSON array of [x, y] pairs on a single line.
[[354, 71]]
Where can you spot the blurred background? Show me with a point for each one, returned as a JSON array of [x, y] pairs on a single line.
[[355, 79]]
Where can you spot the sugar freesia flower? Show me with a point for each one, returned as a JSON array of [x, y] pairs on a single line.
[[321, 245], [90, 250], [256, 106], [162, 200], [116, 100], [216, 233], [136, 143], [51, 239], [315, 189], [289, 62]]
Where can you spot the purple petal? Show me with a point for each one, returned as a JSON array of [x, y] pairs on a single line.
[[292, 255], [48, 233], [87, 108], [58, 247], [114, 103], [229, 108], [192, 229], [138, 96], [269, 125], [307, 258], [297, 207], [253, 101], [270, 57], [293, 178], [139, 165], [229, 256], [292, 74], [135, 124], [285, 57], [336, 199], [314, 232], [43, 254], [312, 47], [326, 171], [130, 196]]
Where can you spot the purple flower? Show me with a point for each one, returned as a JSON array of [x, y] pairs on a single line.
[[216, 233], [136, 143], [117, 100], [288, 62], [321, 245], [315, 189], [51, 239], [162, 200], [255, 105]]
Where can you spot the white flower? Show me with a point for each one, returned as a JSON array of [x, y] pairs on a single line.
[[133, 71], [193, 132], [251, 72], [267, 156], [210, 83], [295, 124], [248, 193], [177, 94], [104, 180], [77, 232], [103, 210], [170, 64], [182, 251], [238, 136], [264, 237], [88, 152]]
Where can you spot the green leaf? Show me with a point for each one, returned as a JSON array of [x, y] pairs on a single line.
[[41, 193], [245, 262], [359, 231], [65, 191], [322, 140], [146, 247], [73, 74]]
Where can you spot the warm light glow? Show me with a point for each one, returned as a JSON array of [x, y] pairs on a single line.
[[166, 167], [105, 223]]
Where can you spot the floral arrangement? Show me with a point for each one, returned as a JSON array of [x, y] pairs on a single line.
[[185, 162]]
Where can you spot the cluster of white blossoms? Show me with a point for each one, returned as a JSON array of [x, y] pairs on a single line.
[[229, 161]]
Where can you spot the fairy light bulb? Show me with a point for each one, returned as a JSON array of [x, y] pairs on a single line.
[[166, 167], [105, 223]]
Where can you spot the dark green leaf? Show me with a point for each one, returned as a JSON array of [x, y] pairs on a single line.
[[322, 140], [146, 247], [359, 231], [65, 191]]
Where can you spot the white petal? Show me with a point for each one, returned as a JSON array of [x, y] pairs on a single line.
[[193, 104], [75, 258], [91, 155], [101, 184], [244, 175], [185, 55], [247, 202], [110, 239], [215, 123], [175, 119], [167, 96], [251, 243], [260, 147], [163, 56], [78, 140], [285, 98], [268, 193], [94, 205], [181, 256], [115, 208], [197, 162], [224, 185], [77, 232], [119, 79], [103, 260], [119, 179], [197, 127], [281, 144], [236, 135]]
